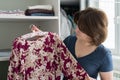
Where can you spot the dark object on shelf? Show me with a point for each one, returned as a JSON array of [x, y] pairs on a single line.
[[70, 6]]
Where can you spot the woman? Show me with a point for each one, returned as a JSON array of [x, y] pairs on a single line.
[[86, 46]]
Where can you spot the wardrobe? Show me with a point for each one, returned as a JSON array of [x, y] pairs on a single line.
[[14, 25]]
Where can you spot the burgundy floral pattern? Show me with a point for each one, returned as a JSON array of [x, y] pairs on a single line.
[[42, 59]]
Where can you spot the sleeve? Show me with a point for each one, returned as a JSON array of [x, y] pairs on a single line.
[[14, 63], [107, 64], [69, 66]]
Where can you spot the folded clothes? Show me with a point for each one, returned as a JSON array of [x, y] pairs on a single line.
[[47, 7], [32, 11], [41, 14]]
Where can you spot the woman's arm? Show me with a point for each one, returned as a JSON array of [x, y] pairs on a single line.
[[106, 75], [106, 69]]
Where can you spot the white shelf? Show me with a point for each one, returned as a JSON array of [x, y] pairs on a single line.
[[4, 58], [32, 18]]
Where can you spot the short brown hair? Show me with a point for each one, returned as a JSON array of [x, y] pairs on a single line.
[[92, 22]]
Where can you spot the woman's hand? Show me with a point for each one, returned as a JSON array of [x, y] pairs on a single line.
[[89, 78], [34, 28]]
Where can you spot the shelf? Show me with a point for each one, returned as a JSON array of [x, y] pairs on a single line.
[[69, 2], [28, 18], [4, 58]]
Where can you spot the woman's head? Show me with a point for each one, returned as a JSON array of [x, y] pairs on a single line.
[[92, 22]]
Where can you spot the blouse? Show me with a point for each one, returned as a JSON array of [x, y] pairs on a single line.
[[43, 58]]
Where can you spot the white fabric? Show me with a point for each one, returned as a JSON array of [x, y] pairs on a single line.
[[47, 7], [65, 28]]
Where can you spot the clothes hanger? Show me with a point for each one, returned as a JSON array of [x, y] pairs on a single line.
[[35, 34]]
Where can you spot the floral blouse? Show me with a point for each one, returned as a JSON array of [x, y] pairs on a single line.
[[43, 58]]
